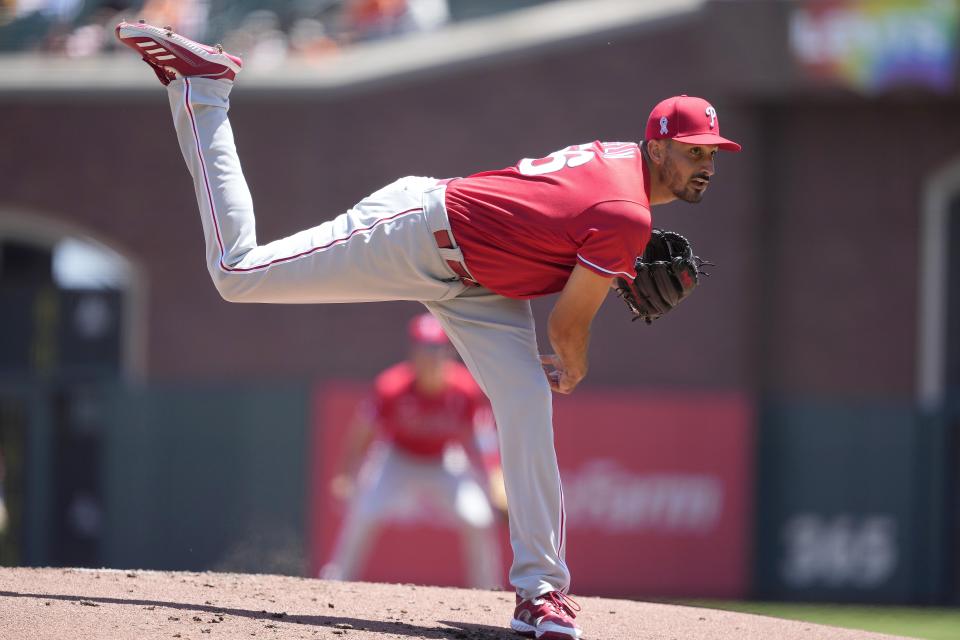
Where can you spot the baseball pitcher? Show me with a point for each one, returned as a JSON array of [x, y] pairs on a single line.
[[474, 250]]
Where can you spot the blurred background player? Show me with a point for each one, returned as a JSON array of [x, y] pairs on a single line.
[[429, 440]]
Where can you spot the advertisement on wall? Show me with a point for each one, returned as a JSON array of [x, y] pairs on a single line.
[[877, 45], [657, 489], [845, 511]]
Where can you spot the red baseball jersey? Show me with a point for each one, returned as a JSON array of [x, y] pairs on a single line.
[[522, 229], [426, 424]]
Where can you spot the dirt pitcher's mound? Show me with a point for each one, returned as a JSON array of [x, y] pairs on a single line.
[[67, 604]]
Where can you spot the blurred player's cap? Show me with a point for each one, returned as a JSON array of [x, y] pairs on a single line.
[[425, 329], [687, 119]]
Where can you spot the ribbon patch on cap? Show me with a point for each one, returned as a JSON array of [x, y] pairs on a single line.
[[663, 125]]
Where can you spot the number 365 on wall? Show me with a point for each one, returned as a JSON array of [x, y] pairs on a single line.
[[859, 551]]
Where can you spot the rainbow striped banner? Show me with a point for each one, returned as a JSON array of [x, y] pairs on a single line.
[[876, 45]]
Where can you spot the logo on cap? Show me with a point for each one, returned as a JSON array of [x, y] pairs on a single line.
[[710, 111], [663, 126]]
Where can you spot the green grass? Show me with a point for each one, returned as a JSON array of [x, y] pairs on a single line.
[[914, 622]]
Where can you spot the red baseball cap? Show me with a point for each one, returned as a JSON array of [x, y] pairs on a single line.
[[687, 119], [425, 329]]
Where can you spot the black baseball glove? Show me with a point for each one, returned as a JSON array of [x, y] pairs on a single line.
[[667, 272]]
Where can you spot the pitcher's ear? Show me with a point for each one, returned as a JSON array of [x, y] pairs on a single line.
[[656, 150]]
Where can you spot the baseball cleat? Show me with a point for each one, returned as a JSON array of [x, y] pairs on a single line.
[[172, 56], [547, 617]]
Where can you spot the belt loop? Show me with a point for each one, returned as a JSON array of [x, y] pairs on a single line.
[[435, 208]]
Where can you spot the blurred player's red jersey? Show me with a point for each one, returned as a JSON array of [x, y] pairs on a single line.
[[426, 424], [522, 229]]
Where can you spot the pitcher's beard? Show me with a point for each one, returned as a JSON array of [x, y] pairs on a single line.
[[685, 191], [689, 194]]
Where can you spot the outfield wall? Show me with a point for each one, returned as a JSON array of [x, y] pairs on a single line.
[[712, 496]]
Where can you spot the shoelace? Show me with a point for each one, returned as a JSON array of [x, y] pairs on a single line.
[[563, 603]]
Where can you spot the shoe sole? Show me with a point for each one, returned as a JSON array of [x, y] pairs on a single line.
[[163, 36], [522, 628], [557, 632]]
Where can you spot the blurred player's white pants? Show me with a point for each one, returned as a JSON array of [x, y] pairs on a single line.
[[395, 486], [384, 249]]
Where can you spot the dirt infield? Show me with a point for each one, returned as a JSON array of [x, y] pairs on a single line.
[[68, 604]]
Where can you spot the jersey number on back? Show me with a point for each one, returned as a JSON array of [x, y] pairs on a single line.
[[573, 156]]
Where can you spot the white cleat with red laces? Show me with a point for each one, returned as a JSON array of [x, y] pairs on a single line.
[[547, 617], [172, 55]]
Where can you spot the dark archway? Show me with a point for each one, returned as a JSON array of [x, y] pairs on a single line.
[[71, 309]]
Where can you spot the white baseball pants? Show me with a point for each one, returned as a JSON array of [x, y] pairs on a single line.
[[384, 249], [393, 485]]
